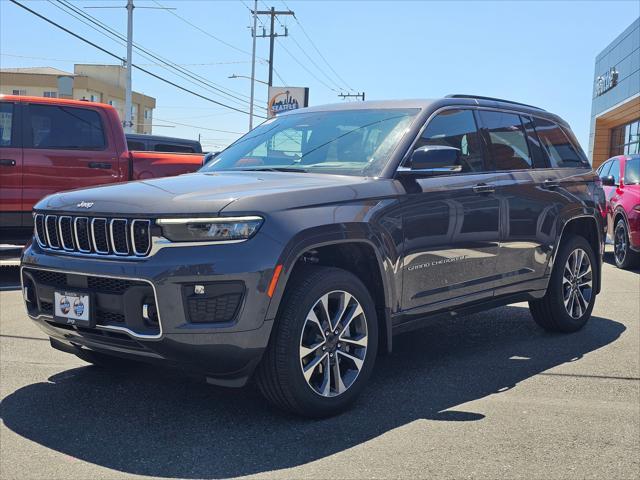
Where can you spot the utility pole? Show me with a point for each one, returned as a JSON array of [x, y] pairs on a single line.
[[272, 35], [352, 95], [253, 63], [128, 107]]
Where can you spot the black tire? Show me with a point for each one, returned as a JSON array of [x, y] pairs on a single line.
[[550, 311], [105, 361], [279, 375], [623, 255]]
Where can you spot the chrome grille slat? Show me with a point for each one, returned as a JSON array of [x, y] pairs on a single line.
[[96, 236]]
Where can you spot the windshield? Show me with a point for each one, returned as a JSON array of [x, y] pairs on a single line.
[[350, 142], [632, 172]]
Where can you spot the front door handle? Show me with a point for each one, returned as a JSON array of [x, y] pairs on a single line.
[[105, 166], [6, 162], [550, 184], [484, 188]]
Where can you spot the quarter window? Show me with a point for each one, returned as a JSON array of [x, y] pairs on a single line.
[[632, 171], [557, 145], [6, 123], [507, 140], [59, 127], [456, 128]]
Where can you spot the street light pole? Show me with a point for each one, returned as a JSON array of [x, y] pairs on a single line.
[[253, 62], [128, 107]]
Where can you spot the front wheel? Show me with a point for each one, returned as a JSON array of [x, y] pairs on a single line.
[[568, 303], [622, 253], [323, 346]]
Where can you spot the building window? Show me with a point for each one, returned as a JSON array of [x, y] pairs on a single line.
[[50, 94], [625, 139], [19, 92]]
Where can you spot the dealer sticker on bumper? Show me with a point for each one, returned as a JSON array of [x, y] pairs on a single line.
[[72, 308]]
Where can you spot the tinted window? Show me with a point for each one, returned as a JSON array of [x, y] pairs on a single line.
[[6, 123], [632, 172], [66, 128], [507, 139], [456, 128], [603, 171], [556, 144], [165, 147], [537, 154], [615, 171], [135, 145]]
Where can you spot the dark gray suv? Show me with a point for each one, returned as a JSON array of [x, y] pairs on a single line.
[[297, 253]]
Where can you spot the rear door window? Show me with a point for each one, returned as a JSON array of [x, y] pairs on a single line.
[[67, 128], [559, 149], [6, 124], [632, 171], [507, 140], [456, 128]]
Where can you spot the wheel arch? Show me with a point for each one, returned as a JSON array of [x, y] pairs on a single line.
[[359, 255], [586, 226]]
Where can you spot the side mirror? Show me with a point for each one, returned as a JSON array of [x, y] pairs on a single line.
[[608, 181], [436, 159]]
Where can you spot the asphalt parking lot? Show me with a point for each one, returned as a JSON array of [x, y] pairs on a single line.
[[486, 396]]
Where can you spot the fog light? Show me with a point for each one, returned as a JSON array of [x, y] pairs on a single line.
[[149, 313], [198, 289]]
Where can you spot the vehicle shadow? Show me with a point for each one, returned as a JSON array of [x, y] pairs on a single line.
[[153, 422]]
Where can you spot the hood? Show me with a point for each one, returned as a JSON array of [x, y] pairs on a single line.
[[207, 193]]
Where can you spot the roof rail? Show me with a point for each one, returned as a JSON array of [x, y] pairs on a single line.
[[479, 97]]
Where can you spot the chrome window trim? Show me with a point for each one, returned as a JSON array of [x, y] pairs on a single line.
[[46, 231], [424, 126], [126, 237], [61, 237], [93, 236], [35, 226], [102, 327], [133, 239], [75, 234]]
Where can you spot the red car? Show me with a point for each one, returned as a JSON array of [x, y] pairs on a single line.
[[621, 182], [49, 145]]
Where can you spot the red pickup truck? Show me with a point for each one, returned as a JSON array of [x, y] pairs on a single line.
[[48, 145]]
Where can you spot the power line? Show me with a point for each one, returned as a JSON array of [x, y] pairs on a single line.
[[68, 60], [317, 49], [295, 59], [197, 126], [104, 50], [94, 22], [208, 34]]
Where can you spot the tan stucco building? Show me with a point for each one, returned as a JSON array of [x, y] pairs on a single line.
[[97, 83]]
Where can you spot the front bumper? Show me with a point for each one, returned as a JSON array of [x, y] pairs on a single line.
[[224, 342]]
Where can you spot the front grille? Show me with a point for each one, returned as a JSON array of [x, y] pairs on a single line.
[[101, 236]]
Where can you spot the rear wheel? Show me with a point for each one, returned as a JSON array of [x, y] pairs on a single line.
[[323, 346], [568, 303], [622, 253]]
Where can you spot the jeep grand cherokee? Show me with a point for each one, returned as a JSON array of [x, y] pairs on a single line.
[[296, 254]]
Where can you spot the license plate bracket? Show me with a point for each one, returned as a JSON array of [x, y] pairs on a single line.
[[73, 308]]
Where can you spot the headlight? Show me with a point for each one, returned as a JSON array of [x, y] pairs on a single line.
[[217, 229]]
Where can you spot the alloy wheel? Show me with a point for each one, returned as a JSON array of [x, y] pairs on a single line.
[[333, 343], [577, 283], [620, 243]]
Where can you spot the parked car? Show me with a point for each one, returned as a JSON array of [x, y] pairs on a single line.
[[621, 181], [157, 143], [48, 145], [307, 244]]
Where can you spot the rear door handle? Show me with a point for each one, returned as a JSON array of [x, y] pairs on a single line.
[[484, 188], [550, 184], [6, 162], [105, 166]]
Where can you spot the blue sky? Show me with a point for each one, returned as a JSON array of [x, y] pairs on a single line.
[[535, 52]]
